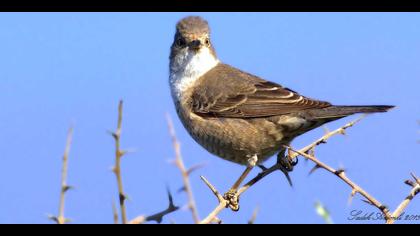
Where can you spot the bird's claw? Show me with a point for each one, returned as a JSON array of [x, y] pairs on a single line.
[[286, 165], [232, 197]]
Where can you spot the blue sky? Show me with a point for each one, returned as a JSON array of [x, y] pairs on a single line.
[[58, 69]]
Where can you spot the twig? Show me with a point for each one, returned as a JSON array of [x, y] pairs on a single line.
[[158, 216], [114, 212], [254, 216], [390, 217], [310, 147], [231, 198], [257, 178], [117, 168], [61, 219], [184, 171], [403, 205], [223, 203], [342, 175], [327, 136]]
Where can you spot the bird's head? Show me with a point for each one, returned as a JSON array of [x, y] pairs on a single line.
[[192, 33], [192, 40]]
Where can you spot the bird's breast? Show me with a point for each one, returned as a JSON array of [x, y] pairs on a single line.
[[234, 139]]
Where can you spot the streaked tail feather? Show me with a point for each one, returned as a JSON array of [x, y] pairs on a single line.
[[337, 112]]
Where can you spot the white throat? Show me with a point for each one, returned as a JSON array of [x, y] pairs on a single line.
[[187, 67]]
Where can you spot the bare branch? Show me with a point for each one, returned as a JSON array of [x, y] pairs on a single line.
[[308, 153], [403, 205], [327, 136], [340, 173], [223, 203], [213, 189], [114, 212], [61, 219], [184, 171], [117, 168], [231, 198]]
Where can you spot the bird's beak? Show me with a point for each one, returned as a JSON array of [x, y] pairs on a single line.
[[195, 45]]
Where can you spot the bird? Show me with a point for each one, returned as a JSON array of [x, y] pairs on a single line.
[[234, 114]]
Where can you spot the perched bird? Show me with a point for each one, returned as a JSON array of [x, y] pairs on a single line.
[[233, 114]]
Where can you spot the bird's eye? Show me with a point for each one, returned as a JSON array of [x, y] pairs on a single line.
[[207, 41], [180, 42]]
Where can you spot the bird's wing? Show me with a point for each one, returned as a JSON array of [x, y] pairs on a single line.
[[228, 92]]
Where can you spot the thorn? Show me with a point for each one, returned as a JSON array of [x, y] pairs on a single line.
[[286, 174], [194, 168], [216, 220], [315, 168], [159, 219], [367, 202], [383, 208], [53, 218], [254, 216], [339, 171], [112, 133], [182, 189], [171, 199], [122, 198], [352, 194], [67, 188], [409, 183], [122, 153], [415, 178], [289, 180]]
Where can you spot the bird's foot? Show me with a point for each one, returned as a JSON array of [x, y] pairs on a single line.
[[286, 164], [232, 197]]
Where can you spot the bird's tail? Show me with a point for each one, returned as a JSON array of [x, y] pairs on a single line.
[[337, 112]]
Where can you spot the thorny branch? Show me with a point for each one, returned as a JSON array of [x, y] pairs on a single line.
[[308, 153], [184, 171], [117, 168], [158, 217], [415, 189], [328, 135], [60, 219], [231, 198], [340, 173]]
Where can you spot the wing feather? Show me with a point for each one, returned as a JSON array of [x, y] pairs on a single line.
[[228, 92]]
